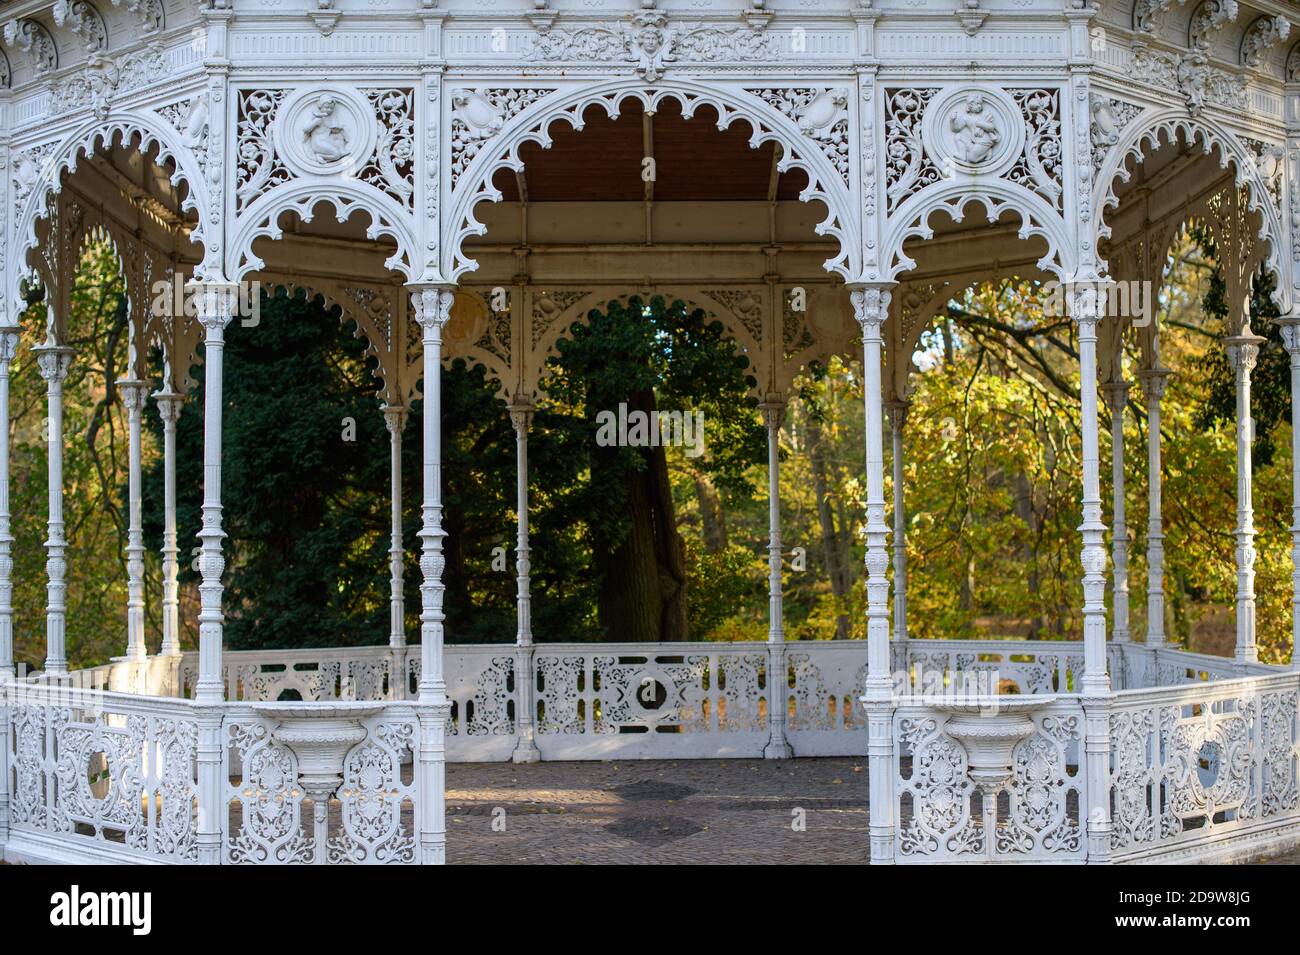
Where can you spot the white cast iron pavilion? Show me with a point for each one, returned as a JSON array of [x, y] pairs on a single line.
[[407, 160]]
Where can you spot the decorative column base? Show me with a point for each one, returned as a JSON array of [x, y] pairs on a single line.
[[431, 782], [778, 746], [526, 750]]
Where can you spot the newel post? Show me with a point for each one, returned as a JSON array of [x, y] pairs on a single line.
[[432, 311], [8, 348], [871, 308], [526, 751], [1291, 338], [1087, 307], [214, 306], [778, 746]]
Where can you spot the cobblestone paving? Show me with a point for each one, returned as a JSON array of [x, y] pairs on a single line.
[[657, 811], [732, 811]]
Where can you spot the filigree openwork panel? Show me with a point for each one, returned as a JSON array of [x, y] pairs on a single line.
[[377, 815], [106, 769], [366, 134], [482, 690], [364, 673], [1201, 762], [823, 687], [994, 666], [1034, 813]]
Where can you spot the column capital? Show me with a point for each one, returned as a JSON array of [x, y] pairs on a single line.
[[521, 409], [871, 306], [773, 408], [432, 304], [1289, 325], [214, 302], [53, 360], [8, 343], [1243, 349], [897, 409], [1086, 303], [395, 418], [1116, 393], [133, 391], [1153, 381], [169, 405]]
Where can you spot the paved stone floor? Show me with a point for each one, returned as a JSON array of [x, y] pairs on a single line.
[[658, 811], [732, 811]]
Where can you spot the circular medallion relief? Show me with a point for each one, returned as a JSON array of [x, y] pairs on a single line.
[[974, 132], [325, 131]]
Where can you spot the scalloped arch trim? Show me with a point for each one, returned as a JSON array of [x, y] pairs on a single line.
[[533, 125]]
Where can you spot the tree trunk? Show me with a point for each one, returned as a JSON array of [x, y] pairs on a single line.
[[832, 555], [643, 591], [713, 519]]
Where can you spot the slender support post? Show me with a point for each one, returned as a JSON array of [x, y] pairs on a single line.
[[215, 305], [395, 421], [134, 392], [871, 308], [169, 410], [1243, 350], [1291, 338], [897, 411], [1153, 389], [432, 310], [1116, 393], [526, 751], [8, 348], [54, 360], [1087, 309], [778, 747]]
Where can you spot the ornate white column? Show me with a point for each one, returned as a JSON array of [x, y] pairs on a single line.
[[395, 421], [215, 305], [1087, 307], [897, 411], [432, 310], [1243, 350], [1291, 338], [53, 360], [1153, 389], [1116, 393], [134, 392], [521, 416], [778, 747], [8, 349], [169, 410], [871, 308]]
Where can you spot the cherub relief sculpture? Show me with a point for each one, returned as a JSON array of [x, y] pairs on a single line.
[[975, 131], [324, 135]]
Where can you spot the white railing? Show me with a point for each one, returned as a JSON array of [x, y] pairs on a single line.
[[272, 816], [101, 775], [996, 666], [943, 815], [350, 673], [1204, 764], [1197, 769]]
